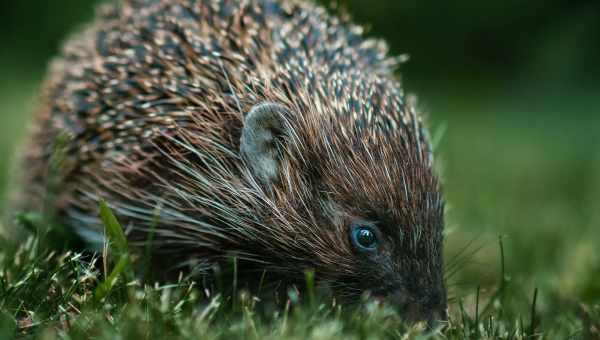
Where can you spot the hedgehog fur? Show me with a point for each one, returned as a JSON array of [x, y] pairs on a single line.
[[260, 128]]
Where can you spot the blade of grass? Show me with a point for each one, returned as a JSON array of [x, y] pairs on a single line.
[[106, 287], [119, 250], [477, 310], [114, 230], [438, 135], [234, 297], [146, 268], [499, 294], [310, 286], [533, 321]]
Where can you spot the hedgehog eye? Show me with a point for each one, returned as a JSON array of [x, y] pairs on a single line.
[[364, 237]]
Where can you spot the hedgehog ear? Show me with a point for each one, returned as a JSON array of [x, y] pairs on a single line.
[[265, 125]]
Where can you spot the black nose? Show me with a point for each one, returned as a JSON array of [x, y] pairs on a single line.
[[431, 310]]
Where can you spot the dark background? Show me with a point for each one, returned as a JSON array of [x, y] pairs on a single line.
[[509, 45], [515, 85]]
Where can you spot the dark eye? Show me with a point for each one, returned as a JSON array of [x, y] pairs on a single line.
[[364, 237]]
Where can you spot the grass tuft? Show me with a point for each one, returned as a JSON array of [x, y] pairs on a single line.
[[52, 294]]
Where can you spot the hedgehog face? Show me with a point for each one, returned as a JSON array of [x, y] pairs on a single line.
[[368, 204], [383, 257], [386, 268]]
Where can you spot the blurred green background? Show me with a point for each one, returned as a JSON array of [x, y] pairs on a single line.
[[514, 84]]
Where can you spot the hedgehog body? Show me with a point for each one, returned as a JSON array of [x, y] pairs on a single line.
[[269, 130]]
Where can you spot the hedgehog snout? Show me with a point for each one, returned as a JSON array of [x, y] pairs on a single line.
[[430, 308]]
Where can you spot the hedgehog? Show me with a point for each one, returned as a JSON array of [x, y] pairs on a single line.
[[270, 130]]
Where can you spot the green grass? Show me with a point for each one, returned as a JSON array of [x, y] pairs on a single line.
[[48, 294], [527, 172]]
